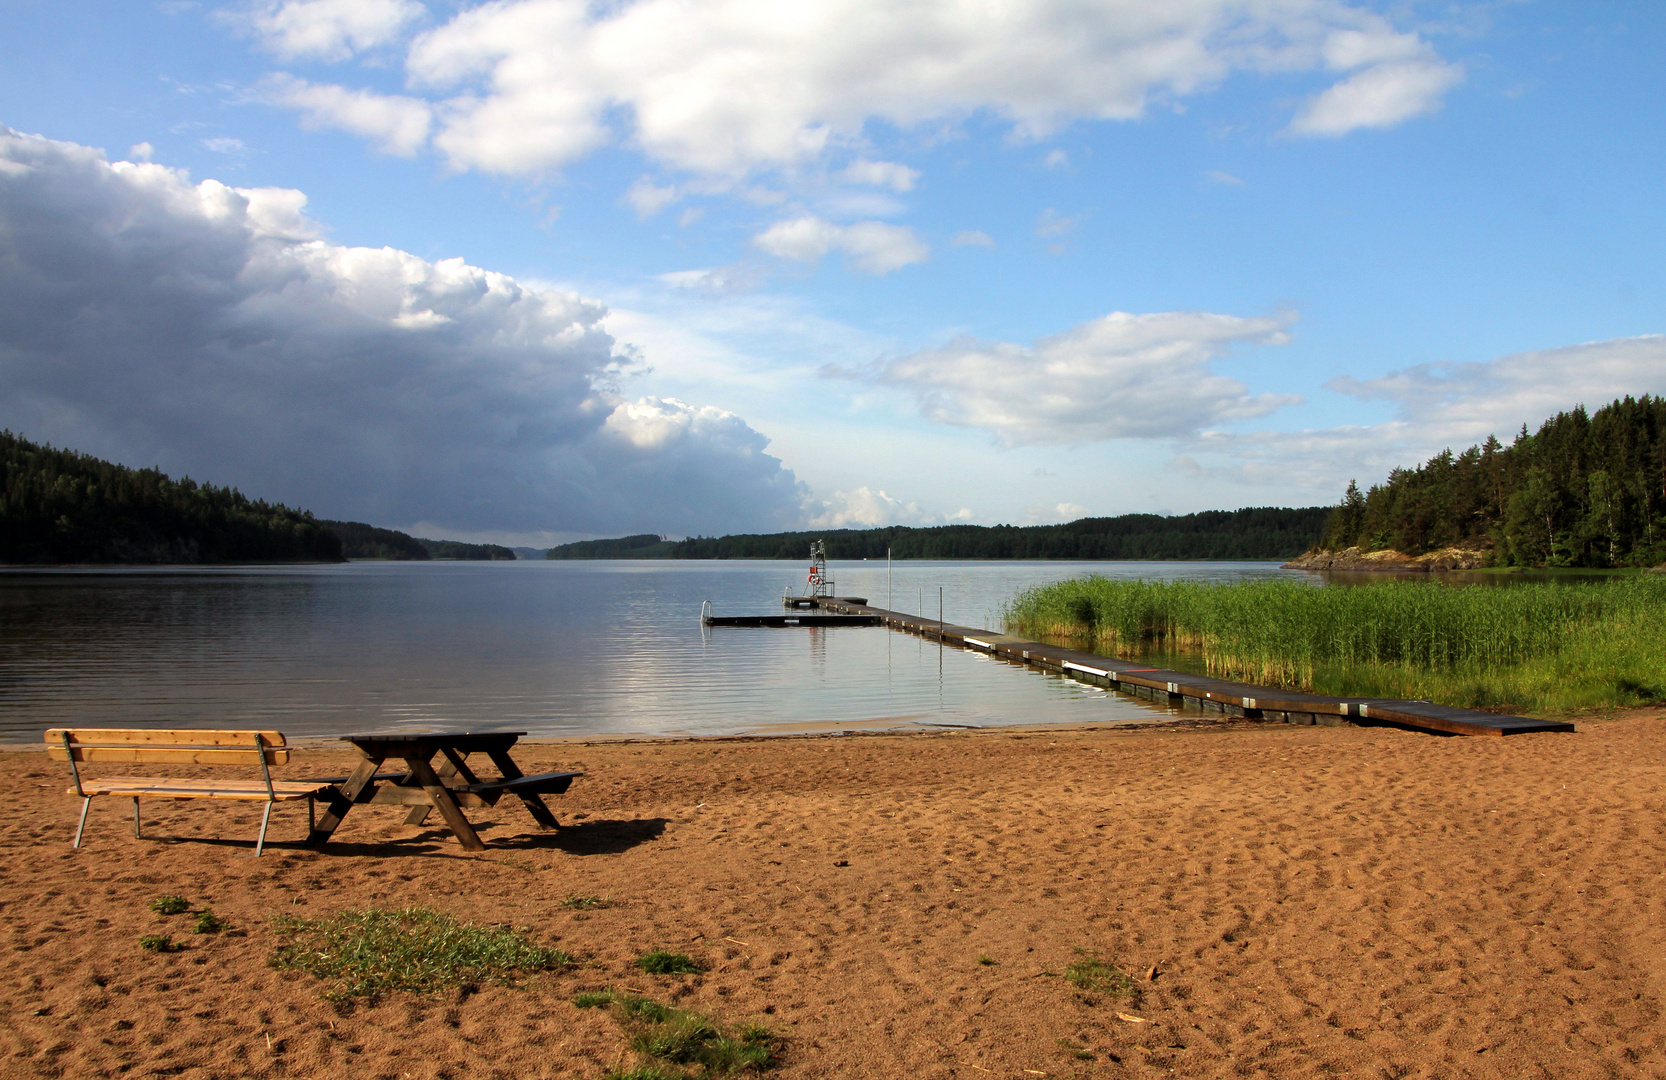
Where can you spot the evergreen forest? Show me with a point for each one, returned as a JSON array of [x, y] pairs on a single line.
[[1255, 533], [1585, 490], [361, 541], [59, 506]]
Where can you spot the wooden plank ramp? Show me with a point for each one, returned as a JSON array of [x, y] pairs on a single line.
[[1177, 687]]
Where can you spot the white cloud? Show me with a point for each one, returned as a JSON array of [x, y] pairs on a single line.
[[1469, 401], [881, 174], [225, 145], [717, 280], [727, 88], [648, 198], [873, 246], [1053, 223], [141, 151], [1442, 406], [863, 508], [397, 125], [1216, 176], [1056, 159], [1380, 96], [328, 29], [972, 238], [1117, 377], [209, 330]]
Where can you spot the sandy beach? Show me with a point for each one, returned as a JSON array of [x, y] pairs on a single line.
[[1291, 901]]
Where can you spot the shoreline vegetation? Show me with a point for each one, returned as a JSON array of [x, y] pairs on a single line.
[[63, 507], [360, 541], [1530, 648], [59, 506], [1251, 533]]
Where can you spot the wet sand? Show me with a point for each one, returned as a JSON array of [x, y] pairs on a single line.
[[1291, 901]]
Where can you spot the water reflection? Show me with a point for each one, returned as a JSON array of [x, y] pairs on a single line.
[[552, 648]]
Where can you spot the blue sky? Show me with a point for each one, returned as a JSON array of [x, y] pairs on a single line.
[[734, 266]]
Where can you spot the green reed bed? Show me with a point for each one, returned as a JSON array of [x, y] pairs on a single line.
[[1533, 648]]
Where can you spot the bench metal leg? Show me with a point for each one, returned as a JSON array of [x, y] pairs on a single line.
[[135, 815], [86, 801], [265, 816]]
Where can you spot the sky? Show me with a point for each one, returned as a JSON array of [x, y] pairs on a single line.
[[531, 271]]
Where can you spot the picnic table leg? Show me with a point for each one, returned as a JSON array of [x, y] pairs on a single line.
[[343, 798], [530, 799], [440, 796], [455, 764]]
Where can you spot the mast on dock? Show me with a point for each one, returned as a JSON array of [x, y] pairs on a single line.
[[819, 583]]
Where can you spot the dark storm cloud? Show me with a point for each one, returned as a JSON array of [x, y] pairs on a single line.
[[211, 331]]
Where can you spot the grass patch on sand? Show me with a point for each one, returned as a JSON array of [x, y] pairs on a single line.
[[414, 950], [679, 1044], [159, 943], [170, 904], [660, 962], [586, 903], [1534, 648], [1097, 977]]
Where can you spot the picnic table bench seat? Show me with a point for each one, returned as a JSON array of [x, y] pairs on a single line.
[[550, 783], [152, 746]]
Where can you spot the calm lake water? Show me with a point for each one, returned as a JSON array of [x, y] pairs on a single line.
[[552, 648]]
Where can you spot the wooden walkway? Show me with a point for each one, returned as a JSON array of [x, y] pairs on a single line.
[[1177, 687]]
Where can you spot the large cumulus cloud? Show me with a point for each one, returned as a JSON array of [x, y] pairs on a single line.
[[212, 330]]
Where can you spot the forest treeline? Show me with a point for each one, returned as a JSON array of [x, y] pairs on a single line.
[[1586, 490], [361, 541], [1254, 533], [59, 506]]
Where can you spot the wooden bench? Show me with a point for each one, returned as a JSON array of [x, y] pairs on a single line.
[[179, 747]]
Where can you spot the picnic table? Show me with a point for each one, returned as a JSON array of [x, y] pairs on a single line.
[[448, 788]]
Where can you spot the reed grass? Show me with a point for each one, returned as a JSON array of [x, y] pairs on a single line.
[[1534, 648]]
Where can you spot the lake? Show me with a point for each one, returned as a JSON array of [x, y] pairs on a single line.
[[551, 648]]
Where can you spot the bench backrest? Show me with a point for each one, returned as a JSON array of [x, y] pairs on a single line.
[[164, 746]]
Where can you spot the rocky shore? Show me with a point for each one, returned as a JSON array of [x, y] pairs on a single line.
[[1389, 559]]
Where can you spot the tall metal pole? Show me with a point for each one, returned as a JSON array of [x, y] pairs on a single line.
[[888, 606]]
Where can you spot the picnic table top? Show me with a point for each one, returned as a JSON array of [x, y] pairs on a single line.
[[449, 738]]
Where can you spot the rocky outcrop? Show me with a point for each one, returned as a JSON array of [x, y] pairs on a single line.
[[1389, 559]]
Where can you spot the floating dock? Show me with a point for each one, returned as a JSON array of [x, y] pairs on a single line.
[[1175, 687], [792, 620]]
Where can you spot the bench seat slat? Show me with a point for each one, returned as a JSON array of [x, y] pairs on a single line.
[[164, 788], [169, 755]]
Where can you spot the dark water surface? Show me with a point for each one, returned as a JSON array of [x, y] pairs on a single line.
[[553, 648]]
